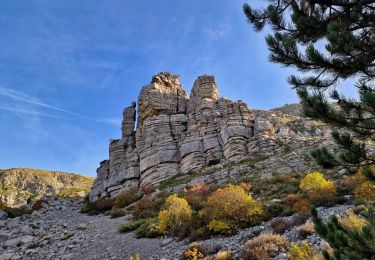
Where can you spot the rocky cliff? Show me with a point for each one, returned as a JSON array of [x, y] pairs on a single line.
[[19, 184], [176, 134]]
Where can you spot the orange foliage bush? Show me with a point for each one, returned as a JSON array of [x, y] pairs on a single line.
[[38, 205], [290, 199], [2, 205], [147, 189], [245, 186], [198, 194], [301, 206]]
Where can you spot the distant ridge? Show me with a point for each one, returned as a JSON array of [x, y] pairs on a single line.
[[289, 109], [17, 185]]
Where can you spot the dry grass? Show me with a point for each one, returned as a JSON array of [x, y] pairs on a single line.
[[263, 246], [306, 229]]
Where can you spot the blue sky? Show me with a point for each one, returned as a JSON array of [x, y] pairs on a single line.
[[68, 68]]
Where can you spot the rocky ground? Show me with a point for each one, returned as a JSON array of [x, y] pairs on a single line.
[[59, 231]]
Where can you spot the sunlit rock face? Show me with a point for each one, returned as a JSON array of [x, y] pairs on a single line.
[[178, 134]]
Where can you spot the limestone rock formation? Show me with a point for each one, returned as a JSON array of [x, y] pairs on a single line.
[[19, 184], [178, 134]]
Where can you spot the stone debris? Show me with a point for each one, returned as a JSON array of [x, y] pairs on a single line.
[[58, 231]]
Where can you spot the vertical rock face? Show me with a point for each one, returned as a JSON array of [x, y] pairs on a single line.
[[177, 134], [128, 122]]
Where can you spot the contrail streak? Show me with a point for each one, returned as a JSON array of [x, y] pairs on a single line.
[[20, 96]]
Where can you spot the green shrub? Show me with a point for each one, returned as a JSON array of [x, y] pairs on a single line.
[[275, 209], [17, 212], [127, 198], [97, 207], [149, 228], [116, 212], [131, 225]]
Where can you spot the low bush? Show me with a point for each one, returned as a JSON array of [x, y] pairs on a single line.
[[221, 227], [317, 188], [135, 257], [150, 228], [300, 251], [224, 255], [231, 205], [291, 199], [17, 212], [299, 219], [147, 189], [279, 225], [263, 246], [352, 221], [127, 198], [148, 207], [198, 194], [116, 212], [365, 191], [176, 217], [275, 209], [245, 186], [37, 205], [306, 229], [302, 207], [131, 225], [97, 207], [194, 251]]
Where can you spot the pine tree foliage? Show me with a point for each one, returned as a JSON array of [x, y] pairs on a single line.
[[348, 243], [329, 42]]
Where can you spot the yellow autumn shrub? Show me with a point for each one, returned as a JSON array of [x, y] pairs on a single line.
[[365, 191], [176, 217], [300, 251], [221, 227], [317, 188], [195, 251], [224, 255], [234, 207]]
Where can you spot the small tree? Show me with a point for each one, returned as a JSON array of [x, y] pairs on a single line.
[[177, 215], [347, 242], [328, 42]]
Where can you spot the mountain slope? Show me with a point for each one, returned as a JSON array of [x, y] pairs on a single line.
[[19, 184]]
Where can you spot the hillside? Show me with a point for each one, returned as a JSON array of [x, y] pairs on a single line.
[[237, 181], [19, 184]]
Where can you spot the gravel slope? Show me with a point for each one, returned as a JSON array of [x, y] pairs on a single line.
[[59, 231]]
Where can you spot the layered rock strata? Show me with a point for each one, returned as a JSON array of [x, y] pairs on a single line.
[[178, 134]]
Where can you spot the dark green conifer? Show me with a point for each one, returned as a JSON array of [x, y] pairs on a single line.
[[329, 42]]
